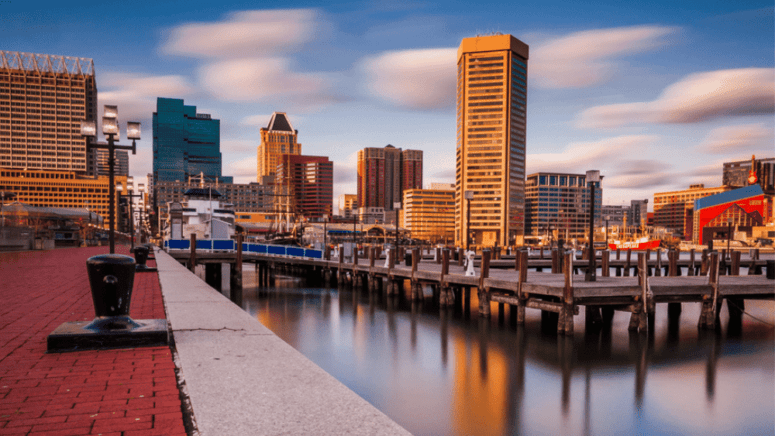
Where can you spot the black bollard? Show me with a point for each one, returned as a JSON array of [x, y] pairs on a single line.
[[141, 257], [111, 277]]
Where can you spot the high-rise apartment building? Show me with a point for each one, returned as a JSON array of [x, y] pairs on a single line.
[[490, 154], [429, 214], [558, 204], [384, 173], [307, 184], [43, 99], [277, 138]]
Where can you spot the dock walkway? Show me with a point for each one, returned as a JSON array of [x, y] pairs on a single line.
[[110, 392]]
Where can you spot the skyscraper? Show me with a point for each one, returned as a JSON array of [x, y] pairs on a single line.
[[307, 183], [185, 143], [43, 99], [384, 173], [490, 155], [277, 138]]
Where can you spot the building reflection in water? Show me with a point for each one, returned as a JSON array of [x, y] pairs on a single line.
[[448, 371]]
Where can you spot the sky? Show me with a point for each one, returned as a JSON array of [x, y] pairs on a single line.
[[656, 95]]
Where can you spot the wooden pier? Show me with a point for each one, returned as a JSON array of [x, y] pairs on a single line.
[[556, 285]]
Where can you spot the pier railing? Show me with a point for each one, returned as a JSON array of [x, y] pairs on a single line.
[[230, 246]]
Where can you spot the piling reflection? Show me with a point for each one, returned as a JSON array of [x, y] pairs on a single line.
[[448, 371]]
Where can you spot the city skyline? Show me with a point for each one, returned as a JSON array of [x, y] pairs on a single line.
[[638, 92]]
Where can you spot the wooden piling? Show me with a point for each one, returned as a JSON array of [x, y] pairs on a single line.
[[627, 265], [484, 293], [565, 320], [704, 262], [708, 314], [674, 309], [555, 262], [522, 279], [639, 318], [415, 284], [605, 263], [192, 258], [446, 296], [692, 266], [735, 267], [460, 256]]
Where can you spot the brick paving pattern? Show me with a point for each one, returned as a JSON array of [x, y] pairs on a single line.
[[109, 392]]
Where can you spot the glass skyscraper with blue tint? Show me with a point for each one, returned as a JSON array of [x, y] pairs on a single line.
[[185, 143]]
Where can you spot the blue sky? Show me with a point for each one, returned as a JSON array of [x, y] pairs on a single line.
[[655, 95]]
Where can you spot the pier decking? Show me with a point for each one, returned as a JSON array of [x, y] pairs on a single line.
[[561, 291]]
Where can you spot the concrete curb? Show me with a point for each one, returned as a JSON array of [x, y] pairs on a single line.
[[243, 379]]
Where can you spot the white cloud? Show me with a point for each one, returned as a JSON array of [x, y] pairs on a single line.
[[256, 120], [741, 139], [413, 79], [243, 170], [586, 58], [698, 97], [239, 146], [135, 95], [245, 34], [263, 79], [579, 157]]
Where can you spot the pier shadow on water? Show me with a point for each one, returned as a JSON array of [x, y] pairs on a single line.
[[448, 371]]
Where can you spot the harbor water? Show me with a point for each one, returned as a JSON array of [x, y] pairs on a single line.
[[448, 371]]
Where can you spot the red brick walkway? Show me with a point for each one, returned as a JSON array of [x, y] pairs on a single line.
[[112, 392]]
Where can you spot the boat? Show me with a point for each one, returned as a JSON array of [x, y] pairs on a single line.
[[638, 244], [203, 214]]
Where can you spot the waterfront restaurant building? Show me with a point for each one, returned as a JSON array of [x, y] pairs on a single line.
[[490, 151]]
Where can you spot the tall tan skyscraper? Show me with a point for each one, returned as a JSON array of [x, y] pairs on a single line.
[[277, 138], [490, 155], [43, 99]]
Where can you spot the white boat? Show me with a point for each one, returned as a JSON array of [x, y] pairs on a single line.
[[203, 214]]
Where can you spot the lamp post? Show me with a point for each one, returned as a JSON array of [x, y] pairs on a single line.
[[560, 225], [325, 233], [593, 177], [111, 131], [469, 195], [397, 207], [729, 236]]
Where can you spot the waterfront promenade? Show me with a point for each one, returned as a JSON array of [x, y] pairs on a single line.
[[109, 392], [239, 377]]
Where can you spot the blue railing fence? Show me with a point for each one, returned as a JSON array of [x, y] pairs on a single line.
[[229, 245]]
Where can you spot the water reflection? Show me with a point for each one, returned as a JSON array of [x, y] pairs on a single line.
[[448, 371]]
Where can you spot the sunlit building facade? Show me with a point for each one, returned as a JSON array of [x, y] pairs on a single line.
[[557, 204], [429, 214], [490, 153], [66, 189], [43, 99], [307, 183], [277, 138], [384, 174], [674, 210], [348, 203]]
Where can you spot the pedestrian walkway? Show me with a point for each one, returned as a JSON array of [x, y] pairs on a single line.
[[109, 392]]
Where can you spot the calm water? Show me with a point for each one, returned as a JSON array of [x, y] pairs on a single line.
[[452, 372]]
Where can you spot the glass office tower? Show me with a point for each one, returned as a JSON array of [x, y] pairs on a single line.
[[185, 143]]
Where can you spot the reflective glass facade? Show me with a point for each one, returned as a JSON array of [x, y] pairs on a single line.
[[185, 143]]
